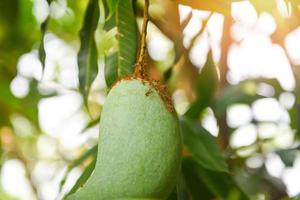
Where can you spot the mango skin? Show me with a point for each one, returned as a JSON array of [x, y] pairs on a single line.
[[139, 151]]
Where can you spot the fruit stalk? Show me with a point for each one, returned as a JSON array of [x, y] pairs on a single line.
[[140, 66]]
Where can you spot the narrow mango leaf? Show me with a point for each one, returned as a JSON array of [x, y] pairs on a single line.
[[202, 145], [111, 69], [180, 192], [221, 6], [42, 52], [121, 63], [127, 37], [91, 124], [91, 152], [207, 83], [83, 178], [207, 184], [87, 56]]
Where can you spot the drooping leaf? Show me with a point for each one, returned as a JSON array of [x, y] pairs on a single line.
[[91, 152], [111, 69], [206, 184], [91, 124], [83, 178], [202, 145], [180, 192], [242, 93], [87, 56], [207, 83], [120, 63], [42, 52]]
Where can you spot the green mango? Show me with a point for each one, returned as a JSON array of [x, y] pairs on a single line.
[[139, 151]]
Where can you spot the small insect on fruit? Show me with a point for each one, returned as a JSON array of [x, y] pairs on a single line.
[[148, 92]]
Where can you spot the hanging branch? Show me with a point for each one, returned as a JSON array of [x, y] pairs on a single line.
[[141, 63]]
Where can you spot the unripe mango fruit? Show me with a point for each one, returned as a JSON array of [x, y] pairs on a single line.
[[139, 145]]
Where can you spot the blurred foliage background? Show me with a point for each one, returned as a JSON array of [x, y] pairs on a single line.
[[232, 68]]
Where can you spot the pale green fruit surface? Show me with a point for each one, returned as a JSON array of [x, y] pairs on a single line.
[[139, 147]]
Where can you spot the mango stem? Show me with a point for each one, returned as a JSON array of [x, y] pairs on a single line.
[[141, 63]]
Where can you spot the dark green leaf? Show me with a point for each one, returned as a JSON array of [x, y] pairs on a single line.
[[180, 192], [42, 52], [87, 56], [204, 183], [127, 37], [112, 6], [122, 64], [207, 83], [111, 69], [287, 156], [202, 145]]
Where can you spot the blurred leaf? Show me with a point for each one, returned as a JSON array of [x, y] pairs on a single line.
[[122, 64], [173, 195], [206, 184], [83, 178], [245, 92], [221, 6], [287, 156], [207, 83], [202, 145], [87, 56], [91, 152], [264, 6], [258, 180], [112, 6], [91, 124], [42, 52]]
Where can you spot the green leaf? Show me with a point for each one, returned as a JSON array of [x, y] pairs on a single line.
[[42, 52], [83, 178], [87, 56], [244, 92], [180, 192], [91, 152], [112, 6], [202, 145], [122, 63], [207, 83], [204, 183], [111, 69], [287, 156], [91, 124]]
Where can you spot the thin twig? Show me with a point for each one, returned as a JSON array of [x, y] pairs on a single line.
[[194, 39], [140, 65]]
